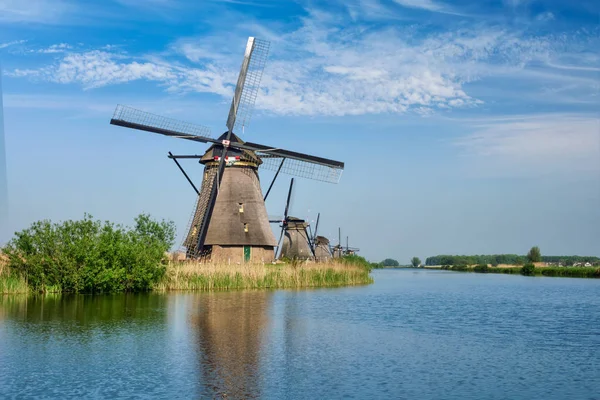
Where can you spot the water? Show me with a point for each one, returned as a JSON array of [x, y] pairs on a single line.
[[413, 334]]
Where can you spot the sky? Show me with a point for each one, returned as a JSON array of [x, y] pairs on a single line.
[[465, 127]]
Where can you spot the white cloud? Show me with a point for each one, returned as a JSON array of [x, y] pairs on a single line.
[[55, 48], [14, 42], [545, 16], [322, 69], [424, 4], [43, 11], [544, 142]]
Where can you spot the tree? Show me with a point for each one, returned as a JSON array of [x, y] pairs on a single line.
[[390, 262], [416, 261], [534, 255]]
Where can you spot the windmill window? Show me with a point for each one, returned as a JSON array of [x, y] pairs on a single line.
[[245, 227], [241, 207]]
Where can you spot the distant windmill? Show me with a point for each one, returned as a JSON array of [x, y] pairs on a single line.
[[339, 250], [320, 245], [296, 239], [230, 220]]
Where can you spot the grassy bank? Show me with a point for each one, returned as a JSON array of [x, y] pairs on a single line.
[[571, 272], [189, 275]]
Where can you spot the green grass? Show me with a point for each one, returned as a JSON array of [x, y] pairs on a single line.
[[12, 284]]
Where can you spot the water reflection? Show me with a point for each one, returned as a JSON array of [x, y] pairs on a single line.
[[230, 329]]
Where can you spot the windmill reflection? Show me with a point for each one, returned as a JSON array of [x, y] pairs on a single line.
[[231, 329]]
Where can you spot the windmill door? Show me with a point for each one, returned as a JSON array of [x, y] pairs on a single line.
[[247, 253]]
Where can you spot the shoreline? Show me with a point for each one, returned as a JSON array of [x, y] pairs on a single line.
[[539, 270], [195, 276]]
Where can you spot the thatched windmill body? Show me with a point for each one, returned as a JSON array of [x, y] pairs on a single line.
[[297, 243], [230, 221]]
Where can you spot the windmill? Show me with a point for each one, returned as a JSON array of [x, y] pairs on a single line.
[[230, 220], [320, 245], [296, 240], [339, 250]]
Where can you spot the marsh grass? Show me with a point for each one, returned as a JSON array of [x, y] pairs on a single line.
[[10, 283], [191, 275]]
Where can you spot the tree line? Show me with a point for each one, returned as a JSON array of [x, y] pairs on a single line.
[[511, 259]]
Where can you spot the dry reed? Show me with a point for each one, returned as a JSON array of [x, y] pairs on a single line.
[[190, 275]]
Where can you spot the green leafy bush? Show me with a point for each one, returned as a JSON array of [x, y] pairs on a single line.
[[91, 256], [353, 259], [459, 268], [528, 269], [483, 268]]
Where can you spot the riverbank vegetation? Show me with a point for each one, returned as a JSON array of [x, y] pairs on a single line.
[[89, 256], [191, 275], [509, 259], [527, 269]]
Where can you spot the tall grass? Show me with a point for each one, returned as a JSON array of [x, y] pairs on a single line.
[[10, 282], [191, 275]]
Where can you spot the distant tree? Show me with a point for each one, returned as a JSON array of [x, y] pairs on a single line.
[[390, 262], [416, 261], [534, 255]]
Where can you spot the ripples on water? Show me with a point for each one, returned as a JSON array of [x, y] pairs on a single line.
[[413, 334]]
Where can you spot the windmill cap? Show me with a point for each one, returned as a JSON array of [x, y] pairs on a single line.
[[216, 151]]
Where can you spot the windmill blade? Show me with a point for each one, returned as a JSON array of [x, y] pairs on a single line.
[[279, 241], [317, 224], [248, 83], [136, 119], [287, 204], [296, 164]]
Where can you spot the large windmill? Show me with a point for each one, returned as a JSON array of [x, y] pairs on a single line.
[[230, 220], [297, 243]]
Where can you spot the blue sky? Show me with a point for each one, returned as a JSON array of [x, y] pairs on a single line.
[[466, 127]]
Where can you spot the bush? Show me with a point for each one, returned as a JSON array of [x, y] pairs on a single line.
[[459, 268], [357, 261], [528, 269], [483, 268], [91, 256], [390, 262]]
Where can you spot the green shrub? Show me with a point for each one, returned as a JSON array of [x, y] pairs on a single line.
[[353, 259], [483, 268], [528, 269], [91, 256], [461, 267]]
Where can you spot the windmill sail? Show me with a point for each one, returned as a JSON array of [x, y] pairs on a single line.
[[248, 84]]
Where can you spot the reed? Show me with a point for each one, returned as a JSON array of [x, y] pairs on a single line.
[[191, 275], [10, 283]]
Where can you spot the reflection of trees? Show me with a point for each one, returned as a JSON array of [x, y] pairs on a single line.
[[230, 327], [68, 314]]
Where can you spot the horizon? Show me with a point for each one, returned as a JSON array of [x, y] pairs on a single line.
[[465, 128]]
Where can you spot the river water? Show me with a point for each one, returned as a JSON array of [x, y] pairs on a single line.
[[414, 334]]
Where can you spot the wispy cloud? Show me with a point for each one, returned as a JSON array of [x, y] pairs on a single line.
[[55, 48], [538, 142], [423, 4], [41, 11], [323, 69], [14, 42]]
